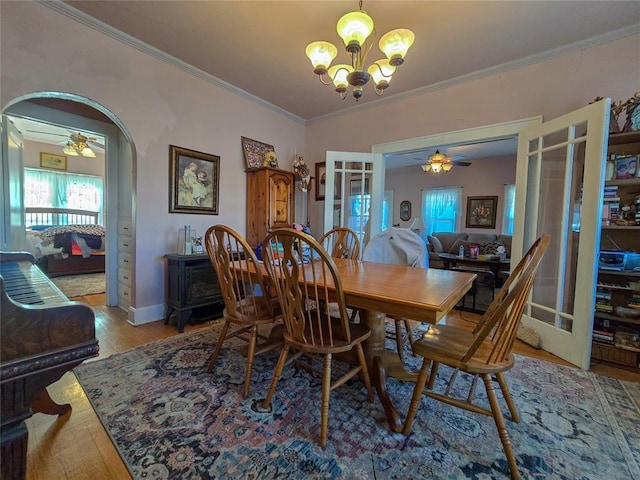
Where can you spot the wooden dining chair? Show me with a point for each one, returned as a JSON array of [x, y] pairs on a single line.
[[341, 242], [249, 302], [484, 352], [304, 274]]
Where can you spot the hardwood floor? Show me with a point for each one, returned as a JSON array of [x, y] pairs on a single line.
[[76, 446]]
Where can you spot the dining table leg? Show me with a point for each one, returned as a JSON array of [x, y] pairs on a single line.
[[374, 351]]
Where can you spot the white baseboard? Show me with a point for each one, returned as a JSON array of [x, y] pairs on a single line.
[[140, 316]]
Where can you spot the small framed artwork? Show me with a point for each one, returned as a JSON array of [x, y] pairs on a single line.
[[257, 153], [51, 160], [321, 180], [626, 167], [481, 212], [194, 181], [405, 210], [356, 187]]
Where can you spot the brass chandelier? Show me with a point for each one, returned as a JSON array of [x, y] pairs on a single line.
[[438, 163], [354, 28], [78, 146]]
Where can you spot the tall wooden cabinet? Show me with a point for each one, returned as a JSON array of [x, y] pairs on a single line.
[[616, 335], [270, 202]]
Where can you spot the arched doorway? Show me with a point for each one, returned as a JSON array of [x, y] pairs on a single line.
[[76, 112]]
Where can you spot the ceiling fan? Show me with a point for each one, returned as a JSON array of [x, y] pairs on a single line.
[[75, 143], [438, 163]]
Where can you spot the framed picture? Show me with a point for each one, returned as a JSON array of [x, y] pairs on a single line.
[[405, 210], [481, 212], [255, 154], [356, 186], [51, 160], [626, 167], [194, 181], [321, 180]]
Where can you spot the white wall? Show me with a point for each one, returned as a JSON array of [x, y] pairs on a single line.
[[160, 105], [484, 177], [88, 166], [550, 88]]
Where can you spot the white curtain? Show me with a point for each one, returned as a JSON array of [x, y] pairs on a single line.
[[44, 188], [441, 209], [508, 214]]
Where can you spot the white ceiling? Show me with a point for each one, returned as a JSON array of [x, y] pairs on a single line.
[[36, 131], [258, 46]]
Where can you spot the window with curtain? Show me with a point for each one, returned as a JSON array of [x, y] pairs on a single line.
[[387, 209], [508, 215], [441, 209], [43, 188]]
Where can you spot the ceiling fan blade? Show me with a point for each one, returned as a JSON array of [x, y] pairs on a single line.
[[47, 133], [96, 144], [461, 164]]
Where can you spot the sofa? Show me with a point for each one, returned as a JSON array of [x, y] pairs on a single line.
[[449, 242]]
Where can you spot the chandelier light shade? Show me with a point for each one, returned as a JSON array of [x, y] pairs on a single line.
[[357, 31], [78, 146], [438, 163]]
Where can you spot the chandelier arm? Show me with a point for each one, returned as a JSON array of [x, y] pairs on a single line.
[[379, 91], [382, 71], [322, 81]]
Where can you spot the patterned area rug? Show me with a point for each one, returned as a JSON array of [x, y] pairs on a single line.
[[80, 285], [170, 419]]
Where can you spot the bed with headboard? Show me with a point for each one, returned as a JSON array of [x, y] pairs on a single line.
[[65, 241]]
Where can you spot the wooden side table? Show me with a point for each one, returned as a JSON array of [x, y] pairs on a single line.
[[191, 283]]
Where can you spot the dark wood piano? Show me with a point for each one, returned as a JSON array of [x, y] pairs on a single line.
[[43, 335]]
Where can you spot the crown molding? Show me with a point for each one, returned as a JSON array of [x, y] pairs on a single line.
[[487, 72], [83, 18]]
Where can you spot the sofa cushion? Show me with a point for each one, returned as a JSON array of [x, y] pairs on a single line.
[[436, 244], [506, 240], [448, 238], [490, 248], [479, 238]]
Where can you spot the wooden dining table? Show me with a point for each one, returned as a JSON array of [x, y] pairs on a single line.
[[378, 290]]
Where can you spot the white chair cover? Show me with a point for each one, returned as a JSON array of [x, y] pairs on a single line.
[[397, 246]]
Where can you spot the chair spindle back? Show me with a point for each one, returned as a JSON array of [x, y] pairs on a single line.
[[341, 242]]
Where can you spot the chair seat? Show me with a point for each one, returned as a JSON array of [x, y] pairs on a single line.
[[359, 333], [449, 344], [254, 313]]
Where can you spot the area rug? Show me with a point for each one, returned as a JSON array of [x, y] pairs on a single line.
[[170, 419], [80, 285]]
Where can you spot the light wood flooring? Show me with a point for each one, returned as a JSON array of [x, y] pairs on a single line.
[[76, 446]]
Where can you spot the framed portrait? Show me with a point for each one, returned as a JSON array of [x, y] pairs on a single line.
[[405, 210], [321, 180], [194, 181], [255, 154], [355, 186], [481, 212], [626, 167], [51, 160]]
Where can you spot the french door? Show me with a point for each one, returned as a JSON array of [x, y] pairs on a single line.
[[559, 184], [354, 192]]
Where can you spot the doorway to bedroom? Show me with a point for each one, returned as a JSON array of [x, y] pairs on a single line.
[[69, 200]]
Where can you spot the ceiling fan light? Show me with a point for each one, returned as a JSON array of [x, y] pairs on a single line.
[[354, 28], [87, 152], [437, 157], [447, 166], [321, 55], [436, 167], [395, 44], [69, 150], [426, 167], [382, 72]]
